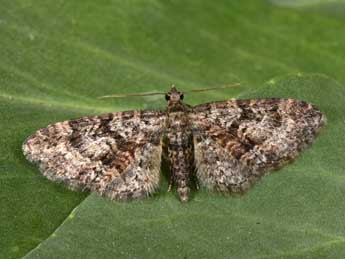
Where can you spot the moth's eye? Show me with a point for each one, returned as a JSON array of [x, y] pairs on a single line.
[[167, 97], [181, 96]]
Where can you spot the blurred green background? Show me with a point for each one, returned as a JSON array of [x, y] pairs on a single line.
[[57, 56]]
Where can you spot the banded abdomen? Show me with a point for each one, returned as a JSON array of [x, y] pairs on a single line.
[[180, 141]]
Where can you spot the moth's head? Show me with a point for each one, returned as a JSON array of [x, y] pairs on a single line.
[[173, 95]]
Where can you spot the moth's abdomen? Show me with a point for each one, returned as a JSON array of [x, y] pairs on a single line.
[[180, 141], [181, 158]]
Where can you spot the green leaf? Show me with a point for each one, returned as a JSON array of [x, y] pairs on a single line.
[[288, 214], [58, 56]]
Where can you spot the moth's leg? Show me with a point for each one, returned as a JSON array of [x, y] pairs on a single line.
[[194, 170], [195, 178], [197, 186], [166, 158], [165, 152], [171, 182], [172, 177]]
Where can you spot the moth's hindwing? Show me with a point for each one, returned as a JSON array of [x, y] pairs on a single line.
[[117, 155], [236, 142]]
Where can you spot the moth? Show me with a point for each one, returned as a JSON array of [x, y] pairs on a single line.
[[226, 145]]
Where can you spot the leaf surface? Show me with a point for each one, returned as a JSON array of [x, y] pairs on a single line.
[[58, 56], [293, 212]]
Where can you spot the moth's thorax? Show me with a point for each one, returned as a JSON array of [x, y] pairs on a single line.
[[176, 106], [180, 138]]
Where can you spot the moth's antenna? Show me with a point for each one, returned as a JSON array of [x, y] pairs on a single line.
[[163, 93], [213, 88], [131, 95]]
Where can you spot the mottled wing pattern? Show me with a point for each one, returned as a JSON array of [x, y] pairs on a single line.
[[116, 154], [236, 142]]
